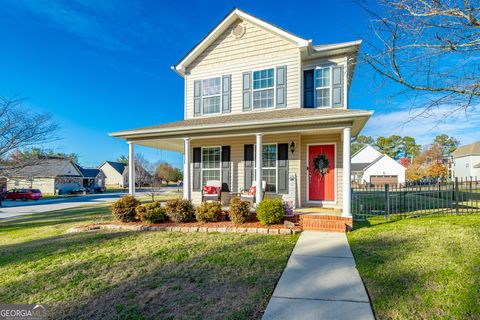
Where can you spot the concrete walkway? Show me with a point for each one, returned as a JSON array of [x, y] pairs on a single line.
[[320, 282]]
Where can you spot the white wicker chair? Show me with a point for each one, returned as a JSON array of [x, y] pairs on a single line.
[[213, 196], [244, 196]]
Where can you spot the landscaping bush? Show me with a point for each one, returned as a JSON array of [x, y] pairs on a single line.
[[209, 212], [179, 210], [239, 210], [151, 212], [124, 209], [270, 211]]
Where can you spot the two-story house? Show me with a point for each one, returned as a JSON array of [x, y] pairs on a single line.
[[262, 104]]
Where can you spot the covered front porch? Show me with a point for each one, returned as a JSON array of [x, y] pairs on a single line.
[[282, 152]]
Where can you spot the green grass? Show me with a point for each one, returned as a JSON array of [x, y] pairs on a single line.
[[421, 268], [136, 275]]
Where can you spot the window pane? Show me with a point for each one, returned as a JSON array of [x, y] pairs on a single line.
[[323, 97], [270, 176], [263, 99], [263, 79], [211, 105], [269, 156], [211, 86], [322, 76], [210, 175], [211, 158]]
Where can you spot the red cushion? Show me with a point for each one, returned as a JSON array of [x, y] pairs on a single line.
[[210, 190], [252, 190]]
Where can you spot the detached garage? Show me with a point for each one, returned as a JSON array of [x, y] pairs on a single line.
[[371, 167]]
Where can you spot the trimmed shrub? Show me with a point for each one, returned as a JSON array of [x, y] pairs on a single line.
[[179, 210], [209, 212], [151, 212], [124, 209], [239, 210], [270, 211]]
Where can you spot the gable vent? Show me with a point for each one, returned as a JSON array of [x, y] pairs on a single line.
[[239, 31]]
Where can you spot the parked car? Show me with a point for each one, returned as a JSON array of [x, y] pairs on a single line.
[[99, 189], [78, 190], [23, 194]]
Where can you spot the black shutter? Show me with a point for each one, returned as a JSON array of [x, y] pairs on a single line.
[[308, 96], [283, 168], [226, 171], [249, 166], [197, 169]]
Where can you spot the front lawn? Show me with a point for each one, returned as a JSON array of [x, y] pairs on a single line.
[[421, 268], [136, 275]]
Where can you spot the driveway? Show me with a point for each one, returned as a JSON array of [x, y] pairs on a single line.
[[320, 282], [10, 209]]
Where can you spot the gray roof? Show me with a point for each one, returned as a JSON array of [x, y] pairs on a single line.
[[358, 166], [89, 172], [118, 166], [46, 168], [246, 118], [467, 150]]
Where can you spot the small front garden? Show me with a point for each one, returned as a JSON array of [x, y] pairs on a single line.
[[137, 275], [420, 268], [239, 216]]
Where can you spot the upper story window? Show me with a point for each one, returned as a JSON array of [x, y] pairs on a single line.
[[211, 95], [322, 86], [263, 88]]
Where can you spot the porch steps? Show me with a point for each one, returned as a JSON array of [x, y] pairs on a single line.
[[322, 222]]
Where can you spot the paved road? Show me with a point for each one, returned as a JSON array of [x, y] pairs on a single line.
[[11, 209], [320, 282]]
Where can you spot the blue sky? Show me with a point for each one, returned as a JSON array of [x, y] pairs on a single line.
[[104, 66]]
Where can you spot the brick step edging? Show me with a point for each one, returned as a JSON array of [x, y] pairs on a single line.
[[183, 229]]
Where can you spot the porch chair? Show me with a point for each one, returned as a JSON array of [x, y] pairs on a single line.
[[212, 190], [250, 194]]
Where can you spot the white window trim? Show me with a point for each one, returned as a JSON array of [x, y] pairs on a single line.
[[274, 88], [209, 169], [213, 95], [276, 165], [330, 87]]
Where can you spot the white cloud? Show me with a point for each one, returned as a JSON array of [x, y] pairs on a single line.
[[464, 126]]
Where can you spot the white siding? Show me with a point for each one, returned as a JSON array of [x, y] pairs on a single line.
[[385, 166], [112, 177], [463, 167], [367, 155]]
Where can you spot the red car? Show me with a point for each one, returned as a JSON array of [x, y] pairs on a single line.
[[23, 194]]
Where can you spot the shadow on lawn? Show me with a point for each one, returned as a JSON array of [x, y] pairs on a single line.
[[402, 287], [232, 279], [50, 218]]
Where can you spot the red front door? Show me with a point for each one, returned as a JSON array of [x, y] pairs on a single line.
[[321, 188]]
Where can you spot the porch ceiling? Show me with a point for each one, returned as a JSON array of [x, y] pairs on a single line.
[[170, 136]]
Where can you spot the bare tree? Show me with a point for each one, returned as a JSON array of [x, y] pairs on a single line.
[[431, 47], [22, 128]]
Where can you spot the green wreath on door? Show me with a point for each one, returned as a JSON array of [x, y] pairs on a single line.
[[320, 164]]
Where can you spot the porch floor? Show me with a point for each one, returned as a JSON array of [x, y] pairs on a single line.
[[319, 211]]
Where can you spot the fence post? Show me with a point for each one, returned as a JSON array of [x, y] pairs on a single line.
[[387, 201], [456, 196]]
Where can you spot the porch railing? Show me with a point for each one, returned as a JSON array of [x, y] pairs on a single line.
[[459, 196]]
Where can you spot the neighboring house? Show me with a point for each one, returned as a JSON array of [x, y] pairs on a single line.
[[48, 175], [114, 173], [466, 161], [262, 104], [92, 178], [370, 166]]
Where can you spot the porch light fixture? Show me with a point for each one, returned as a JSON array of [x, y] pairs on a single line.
[[292, 147]]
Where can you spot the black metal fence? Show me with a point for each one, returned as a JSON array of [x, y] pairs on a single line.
[[458, 196]]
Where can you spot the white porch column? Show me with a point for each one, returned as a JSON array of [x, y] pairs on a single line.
[[131, 168], [258, 164], [186, 170], [347, 197]]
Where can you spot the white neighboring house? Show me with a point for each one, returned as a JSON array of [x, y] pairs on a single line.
[[370, 166], [466, 161], [114, 173]]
